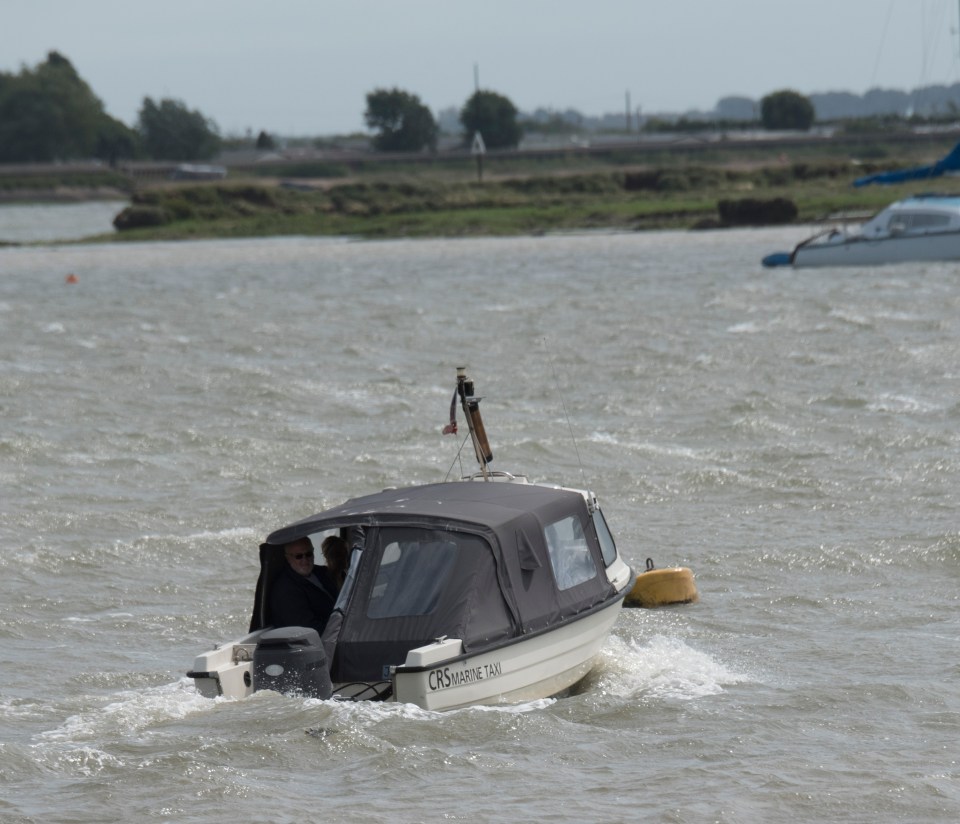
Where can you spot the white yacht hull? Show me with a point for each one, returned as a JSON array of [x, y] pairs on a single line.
[[916, 229], [861, 251]]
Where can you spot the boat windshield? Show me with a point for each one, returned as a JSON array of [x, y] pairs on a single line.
[[919, 222], [356, 555], [607, 546], [415, 566], [569, 555], [915, 223]]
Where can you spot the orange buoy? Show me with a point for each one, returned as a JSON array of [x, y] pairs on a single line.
[[72, 278], [659, 587]]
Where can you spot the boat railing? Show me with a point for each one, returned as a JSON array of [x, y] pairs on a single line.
[[496, 475], [819, 236]]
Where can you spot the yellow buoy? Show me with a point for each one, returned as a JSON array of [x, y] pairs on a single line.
[[659, 587]]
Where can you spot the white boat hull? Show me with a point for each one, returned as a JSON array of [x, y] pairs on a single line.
[[860, 251], [537, 667], [226, 670], [917, 229], [437, 676]]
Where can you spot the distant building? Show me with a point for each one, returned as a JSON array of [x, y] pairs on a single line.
[[198, 171]]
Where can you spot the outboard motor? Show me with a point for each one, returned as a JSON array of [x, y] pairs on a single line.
[[291, 660]]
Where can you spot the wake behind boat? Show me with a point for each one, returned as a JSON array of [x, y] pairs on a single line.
[[919, 228], [484, 590]]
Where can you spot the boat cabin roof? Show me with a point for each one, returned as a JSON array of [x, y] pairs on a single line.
[[929, 203], [487, 505], [922, 214], [480, 561]]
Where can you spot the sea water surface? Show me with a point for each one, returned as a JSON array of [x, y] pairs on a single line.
[[46, 222], [792, 437]]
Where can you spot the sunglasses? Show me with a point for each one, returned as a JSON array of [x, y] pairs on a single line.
[[301, 556]]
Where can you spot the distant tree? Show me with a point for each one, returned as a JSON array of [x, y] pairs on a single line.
[[30, 127], [736, 108], [786, 110], [116, 141], [402, 122], [494, 116], [170, 131], [48, 113], [266, 141]]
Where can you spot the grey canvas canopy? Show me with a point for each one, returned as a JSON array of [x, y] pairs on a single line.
[[483, 562]]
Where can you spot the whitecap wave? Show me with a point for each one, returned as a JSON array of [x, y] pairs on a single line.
[[662, 667], [902, 404], [129, 712], [238, 533], [369, 713]]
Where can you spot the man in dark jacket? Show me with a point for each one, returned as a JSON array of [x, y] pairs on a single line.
[[302, 594]]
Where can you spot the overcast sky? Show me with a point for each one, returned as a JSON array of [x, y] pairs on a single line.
[[304, 67]]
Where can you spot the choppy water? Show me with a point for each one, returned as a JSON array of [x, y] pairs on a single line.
[[792, 437]]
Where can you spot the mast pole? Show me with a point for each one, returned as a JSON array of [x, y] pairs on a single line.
[[471, 411]]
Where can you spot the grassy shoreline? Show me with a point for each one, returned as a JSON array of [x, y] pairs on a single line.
[[446, 199], [384, 210]]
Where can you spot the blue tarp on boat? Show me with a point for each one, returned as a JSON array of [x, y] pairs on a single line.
[[950, 163]]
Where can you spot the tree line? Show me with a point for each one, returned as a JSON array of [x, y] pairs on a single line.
[[404, 124], [48, 113]]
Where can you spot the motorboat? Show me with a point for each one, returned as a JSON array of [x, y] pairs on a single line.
[[918, 228], [485, 589]]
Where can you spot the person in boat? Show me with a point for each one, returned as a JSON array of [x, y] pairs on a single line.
[[303, 594], [336, 556]]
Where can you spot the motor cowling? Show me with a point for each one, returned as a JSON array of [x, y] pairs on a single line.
[[291, 660]]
